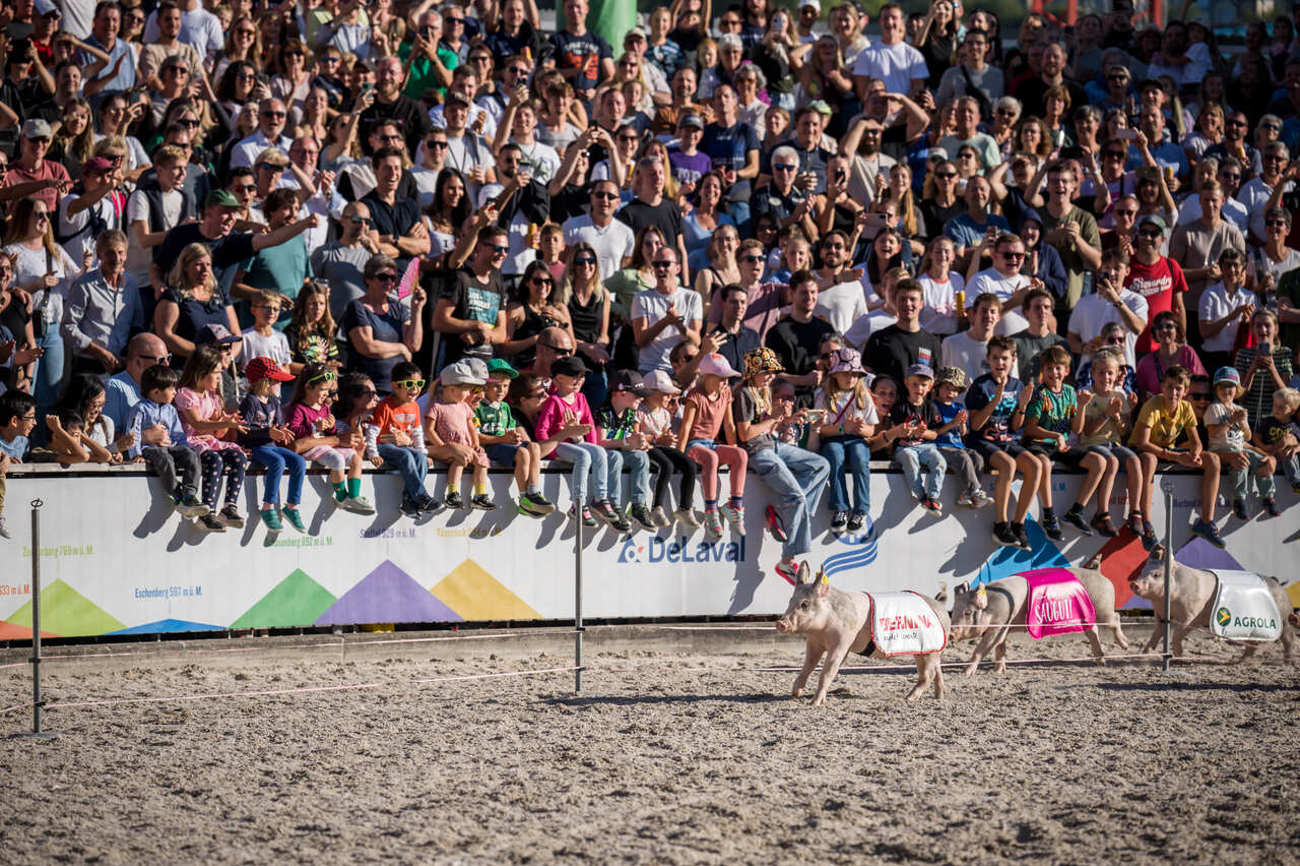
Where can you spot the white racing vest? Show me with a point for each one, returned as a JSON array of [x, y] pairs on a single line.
[[1244, 608], [902, 623]]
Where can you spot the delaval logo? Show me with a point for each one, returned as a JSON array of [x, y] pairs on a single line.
[[681, 549], [863, 552]]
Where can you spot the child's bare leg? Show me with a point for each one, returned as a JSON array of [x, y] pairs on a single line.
[[454, 472], [1149, 463], [1044, 479], [1095, 465], [1133, 481], [355, 465], [1209, 484], [1005, 467], [1031, 471], [523, 468], [1107, 485], [534, 464]]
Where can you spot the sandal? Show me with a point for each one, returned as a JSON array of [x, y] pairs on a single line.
[[1101, 523], [1134, 522]]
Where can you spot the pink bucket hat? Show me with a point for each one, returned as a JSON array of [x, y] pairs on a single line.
[[716, 365], [846, 360]]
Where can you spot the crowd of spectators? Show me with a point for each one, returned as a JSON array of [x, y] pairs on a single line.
[[909, 236]]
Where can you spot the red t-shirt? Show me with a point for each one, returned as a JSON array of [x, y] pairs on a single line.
[[1157, 283]]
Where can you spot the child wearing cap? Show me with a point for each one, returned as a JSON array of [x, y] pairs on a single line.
[[618, 428], [951, 385], [706, 413], [656, 421], [566, 417], [1229, 430], [506, 441], [848, 418], [913, 421], [452, 436], [796, 477], [271, 442], [395, 438]]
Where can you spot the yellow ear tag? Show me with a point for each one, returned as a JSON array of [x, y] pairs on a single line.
[[825, 579], [982, 594]]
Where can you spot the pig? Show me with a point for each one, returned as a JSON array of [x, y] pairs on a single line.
[[990, 615], [1191, 602], [835, 623]]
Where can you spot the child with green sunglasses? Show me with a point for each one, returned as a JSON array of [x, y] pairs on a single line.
[[395, 438]]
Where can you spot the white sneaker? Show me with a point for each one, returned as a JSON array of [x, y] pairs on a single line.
[[980, 498], [686, 517], [357, 505], [4, 529], [660, 516]]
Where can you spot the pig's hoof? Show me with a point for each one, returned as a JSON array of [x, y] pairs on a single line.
[[819, 701], [796, 693], [970, 671]]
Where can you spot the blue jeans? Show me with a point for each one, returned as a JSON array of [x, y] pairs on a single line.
[[277, 458], [853, 452], [638, 482], [914, 458], [595, 464], [594, 387], [797, 479], [48, 375], [1240, 478], [411, 463]]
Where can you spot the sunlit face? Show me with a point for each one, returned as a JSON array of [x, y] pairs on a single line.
[[199, 270], [314, 306]]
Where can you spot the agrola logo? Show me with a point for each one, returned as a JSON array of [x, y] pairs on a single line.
[[680, 549], [1224, 616]]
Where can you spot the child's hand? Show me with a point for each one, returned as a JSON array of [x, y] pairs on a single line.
[[376, 461], [1085, 397], [962, 417], [52, 422], [1061, 443], [1026, 394], [125, 441], [1239, 415], [155, 435], [401, 438]]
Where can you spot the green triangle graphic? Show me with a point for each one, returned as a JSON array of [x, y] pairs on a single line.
[[296, 600], [64, 611]]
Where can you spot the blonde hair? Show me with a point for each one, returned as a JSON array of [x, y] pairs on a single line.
[[859, 390], [176, 279], [1290, 398], [762, 396]]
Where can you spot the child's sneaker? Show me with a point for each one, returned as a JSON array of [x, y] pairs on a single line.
[[839, 521], [191, 506], [932, 506], [271, 518], [660, 517], [1133, 523], [357, 505], [735, 515], [1074, 517], [687, 517], [1295, 485], [979, 498], [1017, 531], [605, 511], [410, 507], [964, 499], [1270, 508], [789, 571], [712, 525], [621, 523], [293, 516], [482, 502], [211, 523], [1051, 526], [1239, 509], [588, 519], [4, 529], [535, 504], [428, 504], [643, 516], [775, 526], [453, 500], [230, 514], [1148, 536], [1101, 523], [1002, 534], [856, 521], [1207, 530]]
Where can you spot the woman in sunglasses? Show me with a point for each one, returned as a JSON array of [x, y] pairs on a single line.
[[532, 310], [588, 305]]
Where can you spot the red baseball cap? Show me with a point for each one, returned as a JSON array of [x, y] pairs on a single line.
[[264, 368]]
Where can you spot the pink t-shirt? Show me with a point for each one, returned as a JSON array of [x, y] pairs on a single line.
[[708, 413], [552, 416], [453, 422], [304, 421], [206, 404]]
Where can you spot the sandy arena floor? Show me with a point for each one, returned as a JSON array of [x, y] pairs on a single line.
[[667, 758]]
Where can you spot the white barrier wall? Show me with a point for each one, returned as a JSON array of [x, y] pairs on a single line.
[[115, 558]]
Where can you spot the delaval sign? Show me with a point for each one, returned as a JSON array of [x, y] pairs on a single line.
[[681, 549]]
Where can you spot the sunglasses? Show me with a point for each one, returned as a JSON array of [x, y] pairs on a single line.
[[751, 259], [585, 260], [441, 145], [1199, 396], [832, 246], [327, 376], [1278, 223], [409, 384], [608, 196], [178, 70], [1012, 257], [1233, 176], [365, 221], [558, 351], [273, 114], [663, 265], [388, 277], [156, 359], [543, 281], [1271, 127], [1151, 233], [945, 175], [499, 249]]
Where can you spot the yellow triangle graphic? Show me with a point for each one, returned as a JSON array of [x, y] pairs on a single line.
[[477, 595]]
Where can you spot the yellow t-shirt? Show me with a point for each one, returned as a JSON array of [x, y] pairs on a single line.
[[1166, 426]]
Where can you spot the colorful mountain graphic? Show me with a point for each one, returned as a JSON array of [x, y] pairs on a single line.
[[387, 594], [64, 611], [1007, 561], [1122, 557], [169, 626], [18, 632], [296, 600], [476, 595]]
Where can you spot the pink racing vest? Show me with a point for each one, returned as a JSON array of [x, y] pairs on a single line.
[[1057, 603]]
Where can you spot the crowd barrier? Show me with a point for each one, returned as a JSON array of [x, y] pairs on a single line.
[[116, 560]]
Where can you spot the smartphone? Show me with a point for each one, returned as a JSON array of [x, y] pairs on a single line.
[[1127, 134], [814, 416]]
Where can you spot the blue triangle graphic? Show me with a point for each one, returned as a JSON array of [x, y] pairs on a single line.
[[167, 626], [1007, 561]]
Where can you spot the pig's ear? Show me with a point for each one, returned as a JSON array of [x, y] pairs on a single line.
[[1094, 561], [981, 600], [823, 585], [804, 573], [961, 589]]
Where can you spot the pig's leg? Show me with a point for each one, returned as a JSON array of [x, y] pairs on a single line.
[[1288, 636], [981, 649], [811, 656], [939, 688], [1176, 641], [1156, 634], [1247, 651], [1118, 631], [1000, 655], [1095, 643], [830, 667], [924, 675]]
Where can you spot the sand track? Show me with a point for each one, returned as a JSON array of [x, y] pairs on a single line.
[[667, 758]]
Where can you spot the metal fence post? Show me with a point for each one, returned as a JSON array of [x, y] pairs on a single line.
[[37, 703], [1167, 486], [577, 605]]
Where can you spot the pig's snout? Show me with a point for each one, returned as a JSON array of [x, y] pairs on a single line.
[[783, 625]]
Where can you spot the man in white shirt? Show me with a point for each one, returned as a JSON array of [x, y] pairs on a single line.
[[613, 240], [891, 60], [1111, 302], [1255, 193], [840, 298], [271, 116], [167, 44], [968, 350], [664, 316], [1004, 280], [519, 127], [465, 80], [199, 28]]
